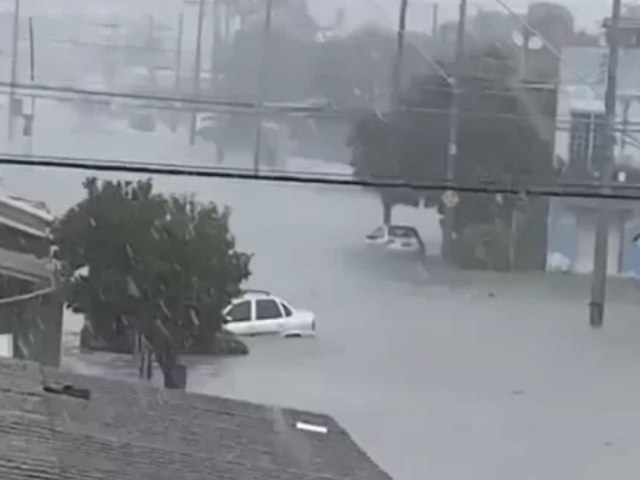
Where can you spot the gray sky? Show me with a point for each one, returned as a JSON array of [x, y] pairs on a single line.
[[587, 12]]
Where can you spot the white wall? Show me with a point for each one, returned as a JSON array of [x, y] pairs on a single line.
[[6, 346], [586, 225]]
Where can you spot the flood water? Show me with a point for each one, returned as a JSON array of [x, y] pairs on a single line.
[[436, 375]]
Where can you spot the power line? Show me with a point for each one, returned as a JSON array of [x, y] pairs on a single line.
[[226, 106], [563, 190]]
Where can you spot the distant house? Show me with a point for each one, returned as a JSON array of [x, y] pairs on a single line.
[[68, 427], [581, 153]]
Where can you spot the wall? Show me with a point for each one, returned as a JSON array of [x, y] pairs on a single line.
[[571, 229], [35, 322]]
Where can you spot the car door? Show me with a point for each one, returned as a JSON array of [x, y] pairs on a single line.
[[268, 318], [239, 318]]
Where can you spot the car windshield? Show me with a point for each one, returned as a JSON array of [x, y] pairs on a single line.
[[362, 239]]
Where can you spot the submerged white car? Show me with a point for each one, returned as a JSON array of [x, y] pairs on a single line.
[[258, 312], [397, 237]]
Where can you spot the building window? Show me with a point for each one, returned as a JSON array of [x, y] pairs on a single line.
[[588, 149]]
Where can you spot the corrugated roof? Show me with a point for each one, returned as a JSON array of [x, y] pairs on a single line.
[[128, 431]]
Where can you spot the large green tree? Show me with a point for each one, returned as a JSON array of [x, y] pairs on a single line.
[[497, 142], [161, 266], [405, 146]]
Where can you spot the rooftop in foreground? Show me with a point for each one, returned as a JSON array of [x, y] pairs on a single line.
[[126, 431]]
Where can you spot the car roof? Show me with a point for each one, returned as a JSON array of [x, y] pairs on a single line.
[[255, 294]]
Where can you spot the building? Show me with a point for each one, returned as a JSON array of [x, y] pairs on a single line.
[[581, 153], [71, 427], [30, 310]]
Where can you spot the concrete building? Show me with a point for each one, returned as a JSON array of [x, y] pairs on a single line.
[[30, 308], [580, 152], [68, 427]]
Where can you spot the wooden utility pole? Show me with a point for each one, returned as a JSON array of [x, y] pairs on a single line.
[[178, 69], [31, 117], [392, 146], [14, 68], [196, 73], [216, 45], [454, 118], [435, 25], [396, 76], [601, 248], [263, 82]]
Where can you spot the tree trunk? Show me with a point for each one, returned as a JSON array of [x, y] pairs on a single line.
[[386, 212], [175, 374]]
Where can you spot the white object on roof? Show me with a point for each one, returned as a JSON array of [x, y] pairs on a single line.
[[309, 427]]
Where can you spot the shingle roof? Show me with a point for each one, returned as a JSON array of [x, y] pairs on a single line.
[[128, 431]]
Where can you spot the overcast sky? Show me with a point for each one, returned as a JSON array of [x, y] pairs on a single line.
[[587, 12], [358, 12]]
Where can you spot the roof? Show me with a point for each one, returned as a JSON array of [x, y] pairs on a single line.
[[132, 431]]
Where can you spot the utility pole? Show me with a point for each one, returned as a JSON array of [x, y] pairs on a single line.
[[178, 68], [393, 142], [216, 47], [14, 68], [454, 117], [601, 249], [30, 118], [264, 78], [435, 25], [396, 78], [196, 72]]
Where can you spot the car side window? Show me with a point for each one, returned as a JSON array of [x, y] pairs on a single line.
[[240, 312], [285, 308], [267, 310]]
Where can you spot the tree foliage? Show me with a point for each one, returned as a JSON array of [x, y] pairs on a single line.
[[497, 142], [161, 266], [354, 71]]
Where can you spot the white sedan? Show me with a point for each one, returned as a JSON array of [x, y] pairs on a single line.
[[397, 237], [260, 313]]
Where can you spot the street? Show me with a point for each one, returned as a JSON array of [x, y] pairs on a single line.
[[436, 374]]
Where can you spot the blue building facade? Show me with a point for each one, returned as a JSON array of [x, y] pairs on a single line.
[[580, 152]]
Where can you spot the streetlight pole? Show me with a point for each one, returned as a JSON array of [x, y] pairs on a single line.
[[196, 72], [14, 67], [454, 117], [264, 78], [601, 248]]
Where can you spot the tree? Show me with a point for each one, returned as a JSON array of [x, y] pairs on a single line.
[[163, 267], [354, 71], [290, 16], [408, 145], [497, 142], [554, 22]]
